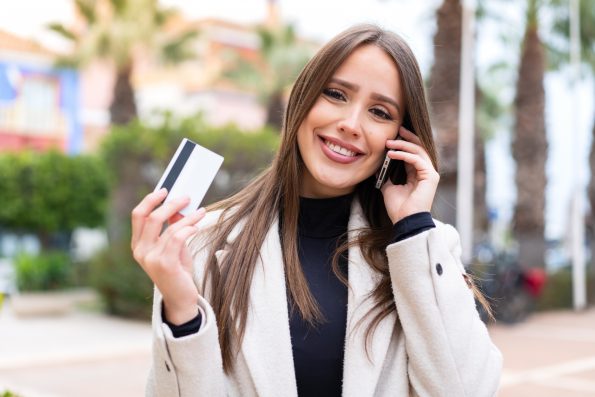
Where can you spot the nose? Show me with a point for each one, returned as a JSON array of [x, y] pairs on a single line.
[[351, 122]]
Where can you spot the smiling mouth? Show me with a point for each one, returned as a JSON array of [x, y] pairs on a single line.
[[339, 149]]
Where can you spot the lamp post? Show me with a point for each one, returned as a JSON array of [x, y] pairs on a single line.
[[579, 293], [466, 132]]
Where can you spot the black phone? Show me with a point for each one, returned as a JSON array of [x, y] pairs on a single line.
[[393, 169]]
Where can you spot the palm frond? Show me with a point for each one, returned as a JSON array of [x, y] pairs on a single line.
[[62, 31], [87, 10], [119, 6], [179, 48]]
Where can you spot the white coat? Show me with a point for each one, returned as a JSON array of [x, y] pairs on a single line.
[[438, 347]]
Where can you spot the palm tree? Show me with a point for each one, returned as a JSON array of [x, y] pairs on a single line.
[[529, 147], [444, 86], [116, 30], [587, 44], [283, 56]]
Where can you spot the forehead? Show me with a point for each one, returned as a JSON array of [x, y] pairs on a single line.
[[372, 66]]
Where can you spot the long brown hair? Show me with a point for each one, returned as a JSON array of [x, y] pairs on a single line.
[[275, 193]]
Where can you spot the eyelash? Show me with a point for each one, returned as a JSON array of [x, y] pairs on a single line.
[[339, 96], [333, 93]]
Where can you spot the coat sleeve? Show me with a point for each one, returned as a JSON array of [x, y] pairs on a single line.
[[190, 365], [449, 350], [186, 366]]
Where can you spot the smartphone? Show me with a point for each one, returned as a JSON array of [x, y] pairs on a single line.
[[393, 169]]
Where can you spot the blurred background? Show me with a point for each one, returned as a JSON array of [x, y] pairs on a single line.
[[95, 97]]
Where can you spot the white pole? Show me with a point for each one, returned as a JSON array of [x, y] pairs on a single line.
[[466, 132], [579, 291]]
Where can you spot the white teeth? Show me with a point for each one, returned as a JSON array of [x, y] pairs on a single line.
[[339, 149]]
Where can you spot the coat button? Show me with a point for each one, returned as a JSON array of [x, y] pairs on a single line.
[[439, 269]]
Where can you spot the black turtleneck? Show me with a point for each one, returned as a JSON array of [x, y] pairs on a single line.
[[318, 352]]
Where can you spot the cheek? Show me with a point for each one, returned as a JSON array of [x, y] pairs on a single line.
[[377, 144]]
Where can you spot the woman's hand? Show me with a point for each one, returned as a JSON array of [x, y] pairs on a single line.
[[418, 193], [164, 256]]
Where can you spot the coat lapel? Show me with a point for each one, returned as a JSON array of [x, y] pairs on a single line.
[[267, 341], [360, 374]]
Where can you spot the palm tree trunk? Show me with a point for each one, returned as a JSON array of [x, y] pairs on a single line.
[[443, 95], [591, 193], [480, 208], [530, 151], [123, 106]]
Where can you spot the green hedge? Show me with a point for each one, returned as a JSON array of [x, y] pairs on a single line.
[[46, 271], [45, 193], [123, 286], [557, 292], [245, 152]]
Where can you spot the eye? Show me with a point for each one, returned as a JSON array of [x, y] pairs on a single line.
[[381, 113], [334, 94]]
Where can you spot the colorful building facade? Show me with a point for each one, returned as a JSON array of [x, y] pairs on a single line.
[[39, 103]]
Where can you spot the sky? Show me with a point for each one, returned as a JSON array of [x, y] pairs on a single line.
[[568, 114]]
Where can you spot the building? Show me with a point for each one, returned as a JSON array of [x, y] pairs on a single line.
[[196, 85], [42, 106], [39, 103]]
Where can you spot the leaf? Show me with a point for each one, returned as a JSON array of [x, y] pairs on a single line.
[[87, 9], [62, 31], [179, 48]]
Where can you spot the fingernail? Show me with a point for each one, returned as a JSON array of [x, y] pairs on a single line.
[[162, 190], [201, 211]]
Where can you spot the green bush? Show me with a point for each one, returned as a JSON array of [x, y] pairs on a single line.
[[557, 292], [47, 193], [8, 393], [46, 271], [145, 150], [123, 286]]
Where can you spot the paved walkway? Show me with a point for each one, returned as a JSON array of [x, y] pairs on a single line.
[[83, 354], [80, 354], [550, 355]]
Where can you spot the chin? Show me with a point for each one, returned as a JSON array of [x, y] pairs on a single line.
[[339, 184]]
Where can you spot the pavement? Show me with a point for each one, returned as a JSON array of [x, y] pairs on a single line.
[[552, 354], [88, 354]]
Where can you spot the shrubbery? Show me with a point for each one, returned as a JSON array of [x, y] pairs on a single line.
[[123, 286], [50, 193], [46, 271], [557, 292]]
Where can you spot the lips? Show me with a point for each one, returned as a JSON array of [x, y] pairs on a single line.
[[339, 151]]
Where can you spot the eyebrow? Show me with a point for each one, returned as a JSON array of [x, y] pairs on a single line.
[[374, 95]]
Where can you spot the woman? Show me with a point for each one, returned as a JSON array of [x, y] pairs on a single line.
[[261, 302]]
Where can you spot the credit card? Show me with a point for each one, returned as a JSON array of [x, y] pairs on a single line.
[[190, 172]]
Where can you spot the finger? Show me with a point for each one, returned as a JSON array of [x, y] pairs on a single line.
[[161, 245], [191, 219], [421, 165], [399, 144], [144, 208], [173, 249], [156, 219], [408, 135]]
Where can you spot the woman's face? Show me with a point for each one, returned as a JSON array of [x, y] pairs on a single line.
[[343, 138]]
